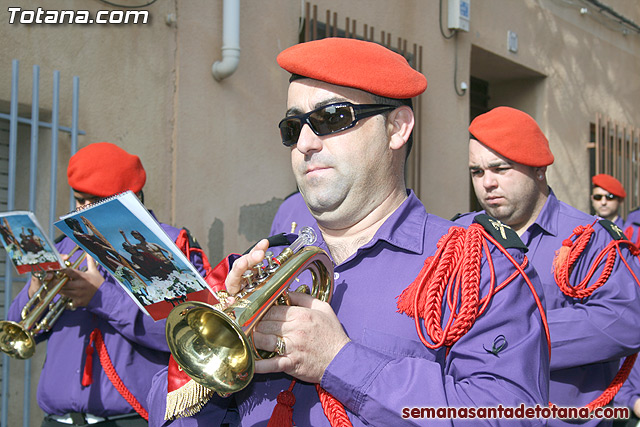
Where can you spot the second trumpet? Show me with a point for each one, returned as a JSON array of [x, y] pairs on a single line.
[[17, 339]]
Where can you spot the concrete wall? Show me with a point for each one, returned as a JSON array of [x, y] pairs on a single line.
[[211, 149]]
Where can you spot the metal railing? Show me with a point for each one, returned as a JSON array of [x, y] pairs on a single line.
[[35, 125]]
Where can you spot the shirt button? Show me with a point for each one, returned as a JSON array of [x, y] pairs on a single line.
[[336, 276]]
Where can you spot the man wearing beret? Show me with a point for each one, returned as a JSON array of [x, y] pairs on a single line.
[[606, 196], [590, 331], [348, 125], [74, 388]]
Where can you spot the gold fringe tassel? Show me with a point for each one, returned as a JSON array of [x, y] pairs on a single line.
[[187, 401]]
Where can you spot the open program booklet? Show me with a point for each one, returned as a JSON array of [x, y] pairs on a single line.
[[27, 244], [121, 235]]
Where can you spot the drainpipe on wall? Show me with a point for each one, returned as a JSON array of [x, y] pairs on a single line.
[[230, 41]]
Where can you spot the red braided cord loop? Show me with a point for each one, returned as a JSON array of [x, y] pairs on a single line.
[[109, 369], [615, 385], [454, 270], [564, 263], [333, 409], [562, 272]]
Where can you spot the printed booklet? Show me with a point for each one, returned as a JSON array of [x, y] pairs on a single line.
[[27, 244], [121, 235]]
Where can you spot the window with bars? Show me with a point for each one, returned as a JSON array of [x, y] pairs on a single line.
[[615, 150]]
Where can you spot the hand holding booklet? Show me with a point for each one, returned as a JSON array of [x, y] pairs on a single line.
[[121, 235]]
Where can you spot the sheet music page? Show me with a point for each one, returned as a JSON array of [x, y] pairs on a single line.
[[27, 244], [121, 235]]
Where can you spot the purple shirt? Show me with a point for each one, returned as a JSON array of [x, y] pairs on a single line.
[[136, 345], [385, 367], [633, 221], [588, 336]]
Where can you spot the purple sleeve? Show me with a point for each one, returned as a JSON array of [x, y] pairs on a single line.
[[18, 303], [116, 307], [374, 384]]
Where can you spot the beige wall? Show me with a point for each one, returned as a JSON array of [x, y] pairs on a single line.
[[588, 68], [212, 150]]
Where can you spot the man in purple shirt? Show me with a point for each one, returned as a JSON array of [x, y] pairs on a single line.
[[606, 196], [348, 123], [508, 160], [135, 343]]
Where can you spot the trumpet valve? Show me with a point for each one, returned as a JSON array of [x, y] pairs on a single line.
[[271, 264], [249, 281], [261, 272]]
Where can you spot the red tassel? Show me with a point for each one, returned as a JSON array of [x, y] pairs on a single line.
[[87, 374], [562, 254], [406, 298], [282, 415]]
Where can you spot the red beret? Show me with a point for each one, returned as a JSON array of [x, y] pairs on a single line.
[[104, 169], [610, 184], [354, 63], [512, 134]]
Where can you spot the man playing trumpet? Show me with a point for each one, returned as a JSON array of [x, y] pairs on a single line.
[[348, 131], [74, 387]]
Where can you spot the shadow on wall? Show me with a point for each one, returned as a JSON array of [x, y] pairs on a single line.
[[216, 242], [254, 224], [255, 220]]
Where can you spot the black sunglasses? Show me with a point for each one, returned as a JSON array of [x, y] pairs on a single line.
[[598, 197], [328, 119]]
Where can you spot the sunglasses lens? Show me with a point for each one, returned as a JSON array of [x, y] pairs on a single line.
[[290, 131], [598, 197], [331, 119]]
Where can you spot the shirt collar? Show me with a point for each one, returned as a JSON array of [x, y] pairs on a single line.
[[546, 219], [405, 226]]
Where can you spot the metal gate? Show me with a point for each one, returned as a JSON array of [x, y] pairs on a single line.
[[19, 145]]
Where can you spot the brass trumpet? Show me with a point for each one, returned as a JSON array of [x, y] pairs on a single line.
[[17, 339], [214, 344]]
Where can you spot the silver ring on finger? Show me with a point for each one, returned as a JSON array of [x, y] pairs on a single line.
[[281, 347]]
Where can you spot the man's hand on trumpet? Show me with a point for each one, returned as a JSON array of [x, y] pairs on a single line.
[[36, 284], [307, 334], [82, 285]]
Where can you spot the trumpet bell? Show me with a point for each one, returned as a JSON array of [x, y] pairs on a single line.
[[38, 315], [214, 345], [16, 341], [210, 347]]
